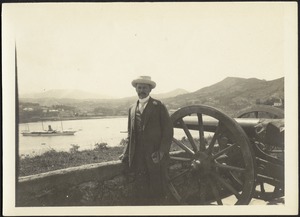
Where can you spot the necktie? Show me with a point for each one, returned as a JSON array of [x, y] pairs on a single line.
[[138, 119], [142, 106]]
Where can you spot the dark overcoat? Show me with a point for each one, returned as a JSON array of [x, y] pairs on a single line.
[[157, 132]]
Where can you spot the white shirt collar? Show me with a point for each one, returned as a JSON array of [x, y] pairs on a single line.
[[145, 99]]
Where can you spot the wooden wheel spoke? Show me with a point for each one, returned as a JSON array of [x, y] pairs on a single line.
[[226, 185], [179, 175], [262, 187], [228, 167], [202, 192], [215, 191], [201, 132], [184, 147], [174, 191], [222, 157], [225, 150], [236, 178], [180, 158], [188, 134], [188, 194], [213, 140]]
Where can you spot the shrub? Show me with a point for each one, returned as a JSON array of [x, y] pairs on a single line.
[[74, 148], [50, 152], [123, 142], [101, 146]]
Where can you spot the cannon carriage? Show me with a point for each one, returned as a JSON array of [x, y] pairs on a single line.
[[223, 160]]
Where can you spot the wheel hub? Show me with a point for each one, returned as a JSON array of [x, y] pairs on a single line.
[[201, 163]]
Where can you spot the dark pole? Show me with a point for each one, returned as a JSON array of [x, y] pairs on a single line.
[[16, 125]]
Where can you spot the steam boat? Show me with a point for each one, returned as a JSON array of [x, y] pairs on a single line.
[[49, 132]]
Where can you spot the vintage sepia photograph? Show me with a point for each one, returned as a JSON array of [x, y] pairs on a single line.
[[150, 108]]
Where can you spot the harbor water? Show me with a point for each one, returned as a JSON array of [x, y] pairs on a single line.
[[89, 132]]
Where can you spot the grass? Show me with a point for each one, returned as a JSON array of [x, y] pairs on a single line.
[[54, 160]]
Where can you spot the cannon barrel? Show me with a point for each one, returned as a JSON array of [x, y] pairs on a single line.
[[211, 123], [269, 131], [249, 125]]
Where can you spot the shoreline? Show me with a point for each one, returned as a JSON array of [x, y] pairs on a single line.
[[74, 118]]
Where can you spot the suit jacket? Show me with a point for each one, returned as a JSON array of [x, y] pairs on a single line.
[[157, 131]]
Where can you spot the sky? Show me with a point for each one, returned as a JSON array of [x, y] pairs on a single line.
[[102, 47]]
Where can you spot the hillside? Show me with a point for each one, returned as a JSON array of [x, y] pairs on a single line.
[[173, 93], [65, 94], [77, 97], [74, 94], [231, 94], [82, 103]]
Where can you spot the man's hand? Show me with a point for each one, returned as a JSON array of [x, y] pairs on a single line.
[[157, 156]]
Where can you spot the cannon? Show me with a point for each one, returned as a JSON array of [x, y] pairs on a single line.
[[222, 160]]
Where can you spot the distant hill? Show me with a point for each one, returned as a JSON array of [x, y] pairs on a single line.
[[74, 94], [65, 94], [173, 93], [231, 94], [83, 99]]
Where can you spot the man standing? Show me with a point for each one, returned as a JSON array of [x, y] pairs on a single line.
[[150, 134]]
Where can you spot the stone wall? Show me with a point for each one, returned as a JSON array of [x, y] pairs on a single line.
[[100, 184], [88, 185]]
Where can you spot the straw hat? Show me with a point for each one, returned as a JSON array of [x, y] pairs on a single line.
[[143, 80]]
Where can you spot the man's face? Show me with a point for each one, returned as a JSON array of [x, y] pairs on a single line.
[[143, 90]]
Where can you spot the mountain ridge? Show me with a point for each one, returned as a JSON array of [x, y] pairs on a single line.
[[65, 93], [232, 94], [229, 95], [80, 95]]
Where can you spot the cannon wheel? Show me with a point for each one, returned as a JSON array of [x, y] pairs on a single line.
[[260, 111], [218, 169], [264, 111]]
